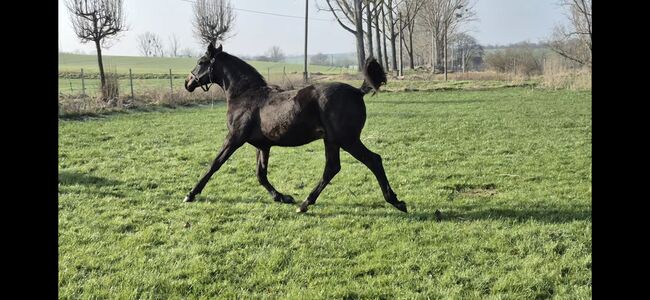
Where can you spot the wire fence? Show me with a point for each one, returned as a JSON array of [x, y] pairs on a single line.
[[131, 84], [81, 92]]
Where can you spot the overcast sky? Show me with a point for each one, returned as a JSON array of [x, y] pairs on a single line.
[[500, 22]]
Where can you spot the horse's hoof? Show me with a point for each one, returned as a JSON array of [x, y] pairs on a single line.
[[188, 198], [401, 205], [284, 199], [302, 208]]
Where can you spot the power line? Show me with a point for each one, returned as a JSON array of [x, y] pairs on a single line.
[[272, 14], [280, 15]]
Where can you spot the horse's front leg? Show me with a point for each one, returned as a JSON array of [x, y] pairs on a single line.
[[231, 144]]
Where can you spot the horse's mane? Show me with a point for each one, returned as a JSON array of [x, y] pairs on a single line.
[[244, 76]]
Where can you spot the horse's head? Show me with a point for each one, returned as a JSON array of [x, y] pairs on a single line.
[[206, 71]]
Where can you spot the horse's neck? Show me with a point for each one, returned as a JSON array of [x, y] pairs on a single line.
[[251, 94], [236, 85]]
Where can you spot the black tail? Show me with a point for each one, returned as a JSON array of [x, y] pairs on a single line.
[[374, 76]]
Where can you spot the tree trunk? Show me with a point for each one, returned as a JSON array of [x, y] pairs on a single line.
[[401, 37], [433, 52], [102, 77], [369, 29], [445, 53], [361, 54], [392, 38], [463, 58], [453, 63], [383, 25], [379, 56], [410, 49]]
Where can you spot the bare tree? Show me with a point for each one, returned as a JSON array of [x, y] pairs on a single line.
[[443, 18], [275, 54], [432, 19], [150, 44], [468, 48], [369, 13], [379, 4], [320, 59], [392, 35], [453, 13], [410, 9], [383, 30], [188, 52], [574, 42], [174, 46], [97, 21], [349, 14], [213, 20]]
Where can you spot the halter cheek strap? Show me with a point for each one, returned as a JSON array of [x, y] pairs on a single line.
[[206, 87]]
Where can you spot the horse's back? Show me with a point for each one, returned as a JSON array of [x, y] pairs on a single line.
[[291, 118], [334, 111]]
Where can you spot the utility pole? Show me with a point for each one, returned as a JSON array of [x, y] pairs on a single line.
[[304, 74]]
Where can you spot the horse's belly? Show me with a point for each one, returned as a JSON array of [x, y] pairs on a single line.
[[294, 135], [290, 123]]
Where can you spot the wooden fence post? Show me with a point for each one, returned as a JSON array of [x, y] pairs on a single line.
[[131, 81], [83, 85], [171, 89]]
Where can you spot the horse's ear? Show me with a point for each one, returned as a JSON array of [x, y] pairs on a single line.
[[212, 51]]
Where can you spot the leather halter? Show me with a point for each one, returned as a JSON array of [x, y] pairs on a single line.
[[205, 87]]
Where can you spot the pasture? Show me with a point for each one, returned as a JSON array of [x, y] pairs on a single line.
[[508, 168], [161, 65], [151, 73]]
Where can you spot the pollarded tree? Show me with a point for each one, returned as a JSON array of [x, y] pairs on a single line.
[[97, 21], [275, 54], [213, 20]]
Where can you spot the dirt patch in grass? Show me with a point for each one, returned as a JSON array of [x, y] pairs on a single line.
[[472, 190]]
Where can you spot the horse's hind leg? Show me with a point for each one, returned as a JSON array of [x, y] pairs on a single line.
[[262, 166], [229, 146], [332, 166], [373, 162]]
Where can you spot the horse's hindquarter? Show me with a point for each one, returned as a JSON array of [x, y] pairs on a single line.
[[291, 118]]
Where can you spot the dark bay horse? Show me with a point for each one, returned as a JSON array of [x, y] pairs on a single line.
[[264, 117]]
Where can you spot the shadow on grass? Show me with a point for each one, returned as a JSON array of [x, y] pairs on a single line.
[[465, 213], [72, 178], [543, 215], [461, 213]]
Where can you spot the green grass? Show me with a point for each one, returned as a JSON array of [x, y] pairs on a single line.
[[161, 65], [510, 170], [74, 86]]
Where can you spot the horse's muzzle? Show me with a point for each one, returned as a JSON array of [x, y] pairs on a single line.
[[191, 83]]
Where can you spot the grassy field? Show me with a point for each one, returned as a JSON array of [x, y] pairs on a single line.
[[161, 65], [140, 65], [509, 168], [74, 86]]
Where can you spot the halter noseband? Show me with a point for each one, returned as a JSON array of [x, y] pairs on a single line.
[[206, 87]]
